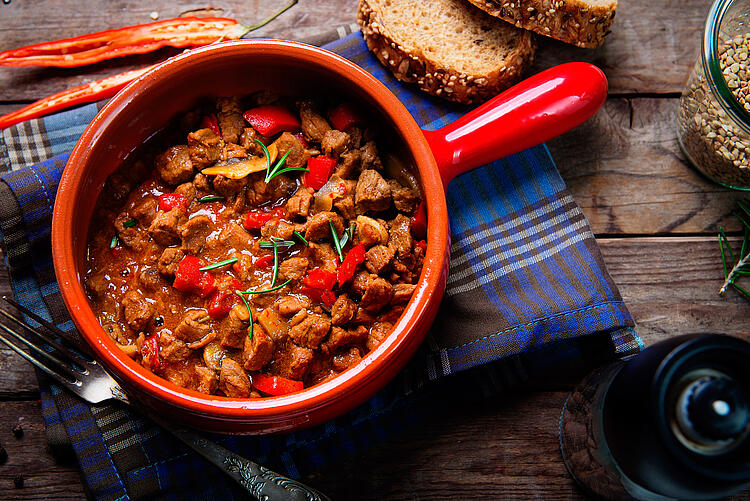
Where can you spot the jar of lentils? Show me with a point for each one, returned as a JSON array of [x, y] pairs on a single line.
[[713, 123]]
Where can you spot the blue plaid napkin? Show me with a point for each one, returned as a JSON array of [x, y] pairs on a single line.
[[527, 288]]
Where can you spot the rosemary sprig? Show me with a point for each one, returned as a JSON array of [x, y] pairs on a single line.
[[275, 263], [741, 263], [113, 243], [299, 235], [249, 312], [272, 172], [219, 264], [210, 198], [129, 223], [272, 289], [270, 244], [336, 242]]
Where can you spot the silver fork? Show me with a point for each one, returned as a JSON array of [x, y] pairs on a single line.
[[82, 375]]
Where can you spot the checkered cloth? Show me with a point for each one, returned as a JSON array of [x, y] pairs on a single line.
[[527, 288]]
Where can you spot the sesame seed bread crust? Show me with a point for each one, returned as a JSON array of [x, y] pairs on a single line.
[[578, 22], [409, 62]]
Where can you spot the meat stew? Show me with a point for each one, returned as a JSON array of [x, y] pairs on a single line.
[[259, 246]]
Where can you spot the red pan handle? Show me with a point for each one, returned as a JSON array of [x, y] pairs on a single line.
[[529, 113]]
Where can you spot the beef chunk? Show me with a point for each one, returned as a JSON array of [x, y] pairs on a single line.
[[314, 126], [204, 148], [377, 333], [377, 294], [205, 380], [164, 228], [400, 236], [369, 158], [310, 331], [257, 350], [190, 329], [229, 118], [343, 361], [373, 193], [195, 232], [169, 260], [202, 186], [174, 165], [247, 141], [277, 228], [172, 349], [234, 330], [345, 206], [128, 234], [318, 227], [236, 237], [371, 231], [294, 268], [97, 284], [402, 293], [229, 187], [359, 282], [348, 165], [334, 143], [233, 380], [323, 256], [343, 310], [290, 305], [187, 190], [341, 337], [298, 154], [299, 203], [144, 210], [379, 258], [138, 312], [405, 199], [294, 362], [150, 279], [281, 186]]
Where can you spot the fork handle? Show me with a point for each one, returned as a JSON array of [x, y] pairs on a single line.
[[261, 482]]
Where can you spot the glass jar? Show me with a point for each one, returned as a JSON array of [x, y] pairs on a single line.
[[713, 122]]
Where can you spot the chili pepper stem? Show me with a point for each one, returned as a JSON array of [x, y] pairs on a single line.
[[253, 27]]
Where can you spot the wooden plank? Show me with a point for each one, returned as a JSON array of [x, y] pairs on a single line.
[[625, 169], [646, 53], [29, 456]]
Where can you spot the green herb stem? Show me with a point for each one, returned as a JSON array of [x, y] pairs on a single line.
[[219, 264], [249, 312], [113, 243], [210, 198], [204, 319], [270, 244], [299, 235], [272, 289], [129, 223], [275, 263], [336, 243]]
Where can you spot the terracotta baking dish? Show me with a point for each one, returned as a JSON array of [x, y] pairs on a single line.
[[532, 112]]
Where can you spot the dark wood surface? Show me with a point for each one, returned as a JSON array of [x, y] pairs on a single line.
[[654, 216]]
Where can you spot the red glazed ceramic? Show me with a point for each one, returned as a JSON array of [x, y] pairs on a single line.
[[537, 109]]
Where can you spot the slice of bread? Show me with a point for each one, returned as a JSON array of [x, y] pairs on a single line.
[[584, 23], [449, 48]]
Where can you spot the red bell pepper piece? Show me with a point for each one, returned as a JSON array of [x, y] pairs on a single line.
[[169, 201], [276, 385], [264, 262], [319, 295], [271, 119], [189, 277], [221, 304], [344, 116], [279, 212], [138, 39], [320, 279], [210, 122], [418, 224], [254, 220], [421, 244], [354, 257], [207, 285], [320, 169], [151, 347]]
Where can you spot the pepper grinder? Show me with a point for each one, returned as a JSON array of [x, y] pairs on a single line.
[[672, 422]]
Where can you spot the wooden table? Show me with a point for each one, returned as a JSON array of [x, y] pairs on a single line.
[[655, 218]]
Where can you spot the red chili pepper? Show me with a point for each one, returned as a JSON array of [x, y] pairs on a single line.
[[254, 220], [344, 116], [271, 119], [320, 279], [87, 93], [279, 212], [418, 223], [276, 385], [151, 346], [264, 262], [320, 169], [210, 122], [221, 304], [169, 201], [354, 257], [189, 277], [138, 39], [328, 297], [302, 139]]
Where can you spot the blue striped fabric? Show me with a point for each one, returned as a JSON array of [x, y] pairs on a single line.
[[527, 288]]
